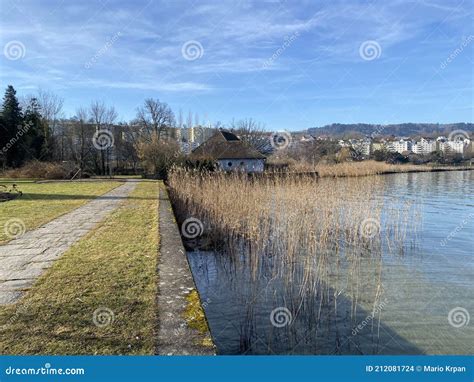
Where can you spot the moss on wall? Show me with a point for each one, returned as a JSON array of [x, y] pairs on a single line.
[[195, 317]]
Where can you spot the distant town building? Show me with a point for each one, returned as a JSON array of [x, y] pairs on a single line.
[[364, 146], [456, 146], [404, 145], [195, 134], [359, 146], [400, 146], [306, 138], [424, 146], [377, 146], [344, 143], [188, 147]]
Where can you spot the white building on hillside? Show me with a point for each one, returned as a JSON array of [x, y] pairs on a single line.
[[400, 146], [424, 146], [456, 146], [363, 146]]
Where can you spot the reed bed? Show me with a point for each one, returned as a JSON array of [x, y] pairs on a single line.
[[313, 247], [366, 168]]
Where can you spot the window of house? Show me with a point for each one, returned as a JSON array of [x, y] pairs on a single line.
[[229, 164]]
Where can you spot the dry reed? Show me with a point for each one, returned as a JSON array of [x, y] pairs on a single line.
[[367, 167], [319, 243]]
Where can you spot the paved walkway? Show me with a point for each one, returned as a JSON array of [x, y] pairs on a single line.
[[24, 259]]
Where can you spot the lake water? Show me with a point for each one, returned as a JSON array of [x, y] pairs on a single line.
[[424, 294]]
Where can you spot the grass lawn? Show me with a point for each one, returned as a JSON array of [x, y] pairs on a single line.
[[111, 271], [117, 177], [42, 202]]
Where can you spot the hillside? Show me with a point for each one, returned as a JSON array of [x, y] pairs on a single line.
[[403, 129]]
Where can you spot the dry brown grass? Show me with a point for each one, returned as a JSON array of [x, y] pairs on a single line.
[[40, 170]]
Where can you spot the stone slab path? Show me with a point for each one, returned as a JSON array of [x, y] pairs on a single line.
[[24, 259]]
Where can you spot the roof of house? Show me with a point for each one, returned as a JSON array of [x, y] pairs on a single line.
[[225, 145]]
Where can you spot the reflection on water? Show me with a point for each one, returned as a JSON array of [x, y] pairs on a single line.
[[397, 302]]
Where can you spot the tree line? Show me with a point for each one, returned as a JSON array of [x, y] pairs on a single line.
[[92, 142], [33, 129]]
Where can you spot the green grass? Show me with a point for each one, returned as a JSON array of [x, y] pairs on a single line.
[[117, 177], [42, 202], [112, 267]]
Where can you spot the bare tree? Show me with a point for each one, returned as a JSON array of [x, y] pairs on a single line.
[[125, 147], [314, 151], [103, 117], [253, 133], [155, 117], [110, 116], [180, 119], [218, 125], [83, 136], [189, 120], [51, 108]]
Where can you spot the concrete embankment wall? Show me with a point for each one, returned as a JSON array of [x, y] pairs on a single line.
[[182, 328]]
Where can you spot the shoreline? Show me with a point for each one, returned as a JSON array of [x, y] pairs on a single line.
[[391, 172]]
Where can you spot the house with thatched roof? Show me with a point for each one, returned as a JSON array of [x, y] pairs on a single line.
[[229, 153]]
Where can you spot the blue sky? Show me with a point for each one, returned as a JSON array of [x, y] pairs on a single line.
[[288, 64]]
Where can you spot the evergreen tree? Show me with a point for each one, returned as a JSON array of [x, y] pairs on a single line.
[[35, 138], [3, 142], [12, 122]]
